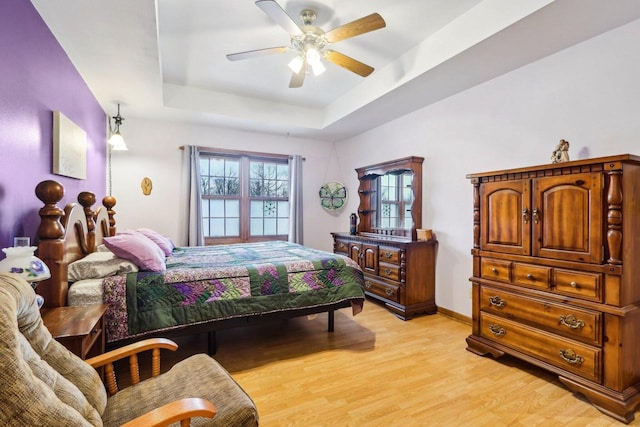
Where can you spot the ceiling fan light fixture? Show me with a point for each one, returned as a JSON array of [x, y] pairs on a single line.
[[313, 55], [296, 64], [314, 59], [318, 68], [309, 42]]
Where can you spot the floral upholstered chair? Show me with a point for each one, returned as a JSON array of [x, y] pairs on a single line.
[[44, 384]]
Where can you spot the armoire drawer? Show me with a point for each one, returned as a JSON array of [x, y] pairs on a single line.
[[579, 284], [385, 290], [568, 321], [531, 276], [495, 269], [390, 255], [567, 354]]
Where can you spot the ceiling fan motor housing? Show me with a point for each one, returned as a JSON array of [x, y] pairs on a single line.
[[308, 16], [312, 37]]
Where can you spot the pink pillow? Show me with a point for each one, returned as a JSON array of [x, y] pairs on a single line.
[[138, 249], [163, 242]]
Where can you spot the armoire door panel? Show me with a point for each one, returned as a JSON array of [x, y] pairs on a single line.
[[506, 207], [564, 226]]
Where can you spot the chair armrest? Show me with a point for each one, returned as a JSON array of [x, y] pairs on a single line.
[[128, 350], [180, 410]]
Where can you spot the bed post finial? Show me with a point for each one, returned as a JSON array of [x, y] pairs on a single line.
[[51, 246], [109, 202], [87, 199], [50, 193]]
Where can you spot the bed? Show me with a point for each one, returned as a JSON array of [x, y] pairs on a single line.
[[196, 289]]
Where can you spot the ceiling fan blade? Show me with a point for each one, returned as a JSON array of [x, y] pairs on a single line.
[[348, 63], [259, 52], [355, 28], [298, 78], [278, 14]]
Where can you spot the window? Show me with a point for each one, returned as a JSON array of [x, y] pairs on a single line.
[[396, 199], [245, 197]]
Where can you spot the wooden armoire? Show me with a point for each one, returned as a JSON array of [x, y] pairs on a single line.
[[556, 274]]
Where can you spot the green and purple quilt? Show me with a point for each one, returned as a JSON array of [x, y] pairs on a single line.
[[207, 283]]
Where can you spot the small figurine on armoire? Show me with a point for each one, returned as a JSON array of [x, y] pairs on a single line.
[[561, 153]]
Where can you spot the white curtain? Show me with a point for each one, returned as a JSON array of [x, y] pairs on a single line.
[[191, 164], [295, 199]]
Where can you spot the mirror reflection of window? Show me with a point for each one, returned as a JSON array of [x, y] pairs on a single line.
[[396, 198]]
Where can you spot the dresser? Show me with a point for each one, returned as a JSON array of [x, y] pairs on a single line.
[[397, 271], [556, 274]]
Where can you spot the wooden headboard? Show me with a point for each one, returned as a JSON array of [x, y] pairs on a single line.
[[68, 235]]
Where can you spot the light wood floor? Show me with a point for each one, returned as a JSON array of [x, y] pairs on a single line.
[[376, 370]]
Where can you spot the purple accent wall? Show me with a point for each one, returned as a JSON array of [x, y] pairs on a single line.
[[37, 78]]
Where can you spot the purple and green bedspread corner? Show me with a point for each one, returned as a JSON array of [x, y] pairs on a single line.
[[221, 282]]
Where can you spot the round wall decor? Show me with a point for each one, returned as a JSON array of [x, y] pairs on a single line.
[[333, 196]]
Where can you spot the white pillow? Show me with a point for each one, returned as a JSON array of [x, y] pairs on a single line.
[[85, 292], [97, 265]]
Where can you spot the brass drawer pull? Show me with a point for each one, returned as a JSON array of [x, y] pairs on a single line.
[[571, 321], [388, 254], [530, 276], [389, 291], [367, 285], [387, 271], [497, 302], [494, 270], [573, 284], [525, 215], [342, 245], [497, 330], [571, 357]]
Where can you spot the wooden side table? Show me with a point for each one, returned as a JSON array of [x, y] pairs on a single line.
[[78, 328]]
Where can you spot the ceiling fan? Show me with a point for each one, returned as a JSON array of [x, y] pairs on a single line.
[[310, 43]]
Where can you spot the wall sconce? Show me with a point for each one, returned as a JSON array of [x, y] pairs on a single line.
[[115, 139]]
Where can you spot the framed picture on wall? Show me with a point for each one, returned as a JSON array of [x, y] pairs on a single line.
[[69, 148]]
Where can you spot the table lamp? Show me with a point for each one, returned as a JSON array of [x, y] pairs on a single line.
[[21, 261]]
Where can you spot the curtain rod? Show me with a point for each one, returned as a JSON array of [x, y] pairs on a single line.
[[241, 152]]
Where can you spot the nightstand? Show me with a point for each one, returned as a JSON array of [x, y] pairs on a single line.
[[79, 328]]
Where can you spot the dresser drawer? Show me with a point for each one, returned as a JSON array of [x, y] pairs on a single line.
[[390, 255], [341, 246], [579, 284], [531, 276], [571, 322], [564, 353], [391, 271], [495, 269], [384, 290]]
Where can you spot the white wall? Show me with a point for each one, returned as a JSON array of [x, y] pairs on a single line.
[[154, 152], [588, 95]]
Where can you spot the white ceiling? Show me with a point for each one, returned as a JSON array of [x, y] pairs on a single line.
[[165, 59]]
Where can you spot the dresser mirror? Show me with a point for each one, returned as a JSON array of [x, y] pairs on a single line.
[[391, 198]]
